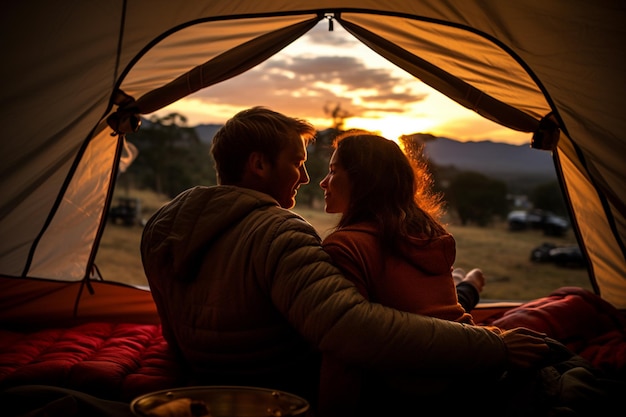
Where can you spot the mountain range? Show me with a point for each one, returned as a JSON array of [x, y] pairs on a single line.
[[487, 157]]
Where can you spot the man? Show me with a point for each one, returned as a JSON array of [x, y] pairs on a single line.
[[247, 295]]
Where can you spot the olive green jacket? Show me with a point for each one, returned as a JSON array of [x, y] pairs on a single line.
[[247, 295]]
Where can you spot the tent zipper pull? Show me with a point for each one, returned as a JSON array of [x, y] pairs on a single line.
[[330, 22]]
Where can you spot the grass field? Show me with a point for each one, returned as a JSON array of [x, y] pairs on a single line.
[[503, 256]]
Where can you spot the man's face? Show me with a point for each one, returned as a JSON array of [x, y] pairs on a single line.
[[288, 173]]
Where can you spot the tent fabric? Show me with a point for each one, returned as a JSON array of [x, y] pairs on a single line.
[[512, 62], [446, 83], [32, 304], [223, 67]]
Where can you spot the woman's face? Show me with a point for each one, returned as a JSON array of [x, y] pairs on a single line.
[[336, 186]]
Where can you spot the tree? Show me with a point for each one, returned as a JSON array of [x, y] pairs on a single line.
[[171, 157], [319, 153], [477, 198], [549, 197], [337, 114]]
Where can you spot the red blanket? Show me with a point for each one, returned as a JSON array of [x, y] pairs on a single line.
[[581, 320]]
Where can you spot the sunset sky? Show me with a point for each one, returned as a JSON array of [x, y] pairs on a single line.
[[326, 68]]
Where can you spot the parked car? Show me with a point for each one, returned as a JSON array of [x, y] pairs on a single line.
[[127, 211], [550, 223], [565, 256]]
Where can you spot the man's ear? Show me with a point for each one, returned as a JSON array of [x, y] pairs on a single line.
[[257, 164]]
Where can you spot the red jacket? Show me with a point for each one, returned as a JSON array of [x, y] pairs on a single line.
[[416, 279]]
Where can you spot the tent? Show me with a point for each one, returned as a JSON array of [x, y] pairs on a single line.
[[78, 75]]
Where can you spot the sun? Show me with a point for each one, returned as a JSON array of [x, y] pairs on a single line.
[[391, 126]]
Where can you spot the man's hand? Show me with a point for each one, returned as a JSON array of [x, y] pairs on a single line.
[[526, 348]]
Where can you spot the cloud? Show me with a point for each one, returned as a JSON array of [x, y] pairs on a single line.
[[324, 69], [302, 86]]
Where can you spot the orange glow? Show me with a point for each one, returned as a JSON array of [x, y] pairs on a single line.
[[306, 75]]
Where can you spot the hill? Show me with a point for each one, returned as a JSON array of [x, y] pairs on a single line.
[[492, 158], [206, 132]]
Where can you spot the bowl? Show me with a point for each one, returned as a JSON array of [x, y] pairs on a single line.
[[219, 401]]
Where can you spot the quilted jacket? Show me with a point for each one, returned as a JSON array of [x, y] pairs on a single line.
[[247, 296], [417, 277]]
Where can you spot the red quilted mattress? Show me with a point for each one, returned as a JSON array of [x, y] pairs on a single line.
[[110, 361]]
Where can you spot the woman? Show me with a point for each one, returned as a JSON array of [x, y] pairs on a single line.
[[390, 243], [389, 240]]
